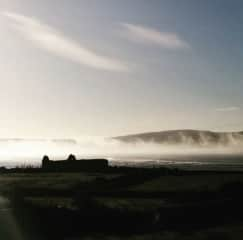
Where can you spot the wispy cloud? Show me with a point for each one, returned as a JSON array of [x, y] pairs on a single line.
[[139, 33], [228, 109], [50, 39]]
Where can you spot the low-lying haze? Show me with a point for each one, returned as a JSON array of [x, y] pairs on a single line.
[[168, 143]]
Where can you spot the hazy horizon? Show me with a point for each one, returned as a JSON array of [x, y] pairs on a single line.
[[180, 148]]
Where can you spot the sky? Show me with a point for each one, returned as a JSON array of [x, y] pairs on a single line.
[[106, 68]]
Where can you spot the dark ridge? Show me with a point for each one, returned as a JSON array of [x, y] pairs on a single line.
[[185, 136]]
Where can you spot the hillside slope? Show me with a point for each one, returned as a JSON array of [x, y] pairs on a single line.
[[193, 137]]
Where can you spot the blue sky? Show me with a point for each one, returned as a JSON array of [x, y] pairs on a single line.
[[78, 68]]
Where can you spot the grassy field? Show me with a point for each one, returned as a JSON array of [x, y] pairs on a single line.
[[57, 181], [210, 182], [142, 204]]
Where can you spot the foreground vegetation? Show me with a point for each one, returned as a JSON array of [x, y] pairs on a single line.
[[123, 203]]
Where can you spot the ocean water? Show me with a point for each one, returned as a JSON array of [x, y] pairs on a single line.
[[189, 161]]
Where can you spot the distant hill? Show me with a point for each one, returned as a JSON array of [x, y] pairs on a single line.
[[187, 137]]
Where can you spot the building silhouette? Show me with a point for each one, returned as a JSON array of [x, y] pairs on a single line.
[[72, 164]]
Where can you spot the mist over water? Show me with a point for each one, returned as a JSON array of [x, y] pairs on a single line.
[[17, 152]]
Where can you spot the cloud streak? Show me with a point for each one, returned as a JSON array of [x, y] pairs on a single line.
[[49, 39], [228, 109], [168, 40]]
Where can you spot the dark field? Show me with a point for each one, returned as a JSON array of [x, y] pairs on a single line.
[[121, 203]]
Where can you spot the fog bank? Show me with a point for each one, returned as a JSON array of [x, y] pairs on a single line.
[[31, 151]]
